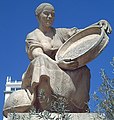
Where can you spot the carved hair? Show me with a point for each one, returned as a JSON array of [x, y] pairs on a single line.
[[41, 7]]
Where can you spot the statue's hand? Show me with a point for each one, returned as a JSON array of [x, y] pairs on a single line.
[[105, 25], [68, 64], [64, 61]]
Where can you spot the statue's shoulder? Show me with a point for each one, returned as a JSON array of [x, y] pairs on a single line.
[[33, 34], [62, 29], [66, 33], [66, 30]]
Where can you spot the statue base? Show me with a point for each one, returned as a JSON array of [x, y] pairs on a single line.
[[54, 116]]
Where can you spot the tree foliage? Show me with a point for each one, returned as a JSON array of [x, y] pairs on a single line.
[[105, 95]]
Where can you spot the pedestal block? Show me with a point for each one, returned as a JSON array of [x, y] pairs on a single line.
[[54, 116]]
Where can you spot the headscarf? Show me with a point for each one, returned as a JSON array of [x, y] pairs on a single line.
[[40, 8]]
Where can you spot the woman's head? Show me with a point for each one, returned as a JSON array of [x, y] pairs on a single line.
[[45, 14]]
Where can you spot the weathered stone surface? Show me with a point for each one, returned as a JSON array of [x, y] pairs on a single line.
[[73, 116], [82, 47], [18, 101], [45, 79]]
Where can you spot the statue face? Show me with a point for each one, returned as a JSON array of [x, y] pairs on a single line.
[[46, 17]]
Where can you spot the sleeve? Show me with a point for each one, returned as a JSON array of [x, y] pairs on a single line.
[[32, 42], [72, 31], [66, 33]]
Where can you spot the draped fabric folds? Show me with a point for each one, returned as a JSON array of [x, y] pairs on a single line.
[[44, 72]]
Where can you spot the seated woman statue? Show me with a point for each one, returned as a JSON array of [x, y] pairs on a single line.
[[43, 77], [46, 85]]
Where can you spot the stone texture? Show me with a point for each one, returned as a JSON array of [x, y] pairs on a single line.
[[82, 47], [45, 78], [74, 116], [19, 101]]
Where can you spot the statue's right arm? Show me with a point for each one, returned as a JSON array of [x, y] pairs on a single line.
[[33, 45], [36, 52]]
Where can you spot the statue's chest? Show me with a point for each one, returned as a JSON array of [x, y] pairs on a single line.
[[51, 43]]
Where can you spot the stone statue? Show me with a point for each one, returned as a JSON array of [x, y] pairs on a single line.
[[45, 79]]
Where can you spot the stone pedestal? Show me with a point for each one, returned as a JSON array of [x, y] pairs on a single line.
[[72, 116]]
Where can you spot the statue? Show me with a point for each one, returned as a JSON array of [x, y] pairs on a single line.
[[46, 78]]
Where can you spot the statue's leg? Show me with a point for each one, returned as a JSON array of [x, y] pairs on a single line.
[[43, 95]]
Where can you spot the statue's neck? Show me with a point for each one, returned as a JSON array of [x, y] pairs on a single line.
[[45, 29]]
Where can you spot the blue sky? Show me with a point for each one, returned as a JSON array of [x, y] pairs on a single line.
[[17, 19]]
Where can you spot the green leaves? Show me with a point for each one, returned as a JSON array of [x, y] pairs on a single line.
[[106, 98]]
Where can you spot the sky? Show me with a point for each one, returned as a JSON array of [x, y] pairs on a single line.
[[17, 19]]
